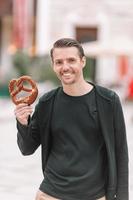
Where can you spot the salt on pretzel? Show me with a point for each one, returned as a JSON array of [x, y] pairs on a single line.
[[16, 86]]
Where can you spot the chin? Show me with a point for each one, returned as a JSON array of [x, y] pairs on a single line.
[[69, 82]]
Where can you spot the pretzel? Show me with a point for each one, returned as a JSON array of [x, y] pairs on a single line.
[[16, 86]]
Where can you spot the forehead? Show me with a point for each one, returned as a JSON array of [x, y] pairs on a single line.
[[64, 52]]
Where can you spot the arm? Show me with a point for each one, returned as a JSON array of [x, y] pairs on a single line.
[[28, 136], [121, 151]]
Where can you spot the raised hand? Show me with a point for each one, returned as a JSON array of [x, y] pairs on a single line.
[[22, 113]]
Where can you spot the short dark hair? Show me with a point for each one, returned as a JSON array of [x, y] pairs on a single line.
[[67, 42]]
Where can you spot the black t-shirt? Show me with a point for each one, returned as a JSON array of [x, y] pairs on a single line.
[[76, 166]]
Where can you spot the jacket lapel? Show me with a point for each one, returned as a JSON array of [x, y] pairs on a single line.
[[105, 112]]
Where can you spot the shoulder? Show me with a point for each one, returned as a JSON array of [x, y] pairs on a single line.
[[106, 92], [49, 95]]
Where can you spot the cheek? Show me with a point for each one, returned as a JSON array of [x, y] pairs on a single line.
[[56, 71], [79, 69]]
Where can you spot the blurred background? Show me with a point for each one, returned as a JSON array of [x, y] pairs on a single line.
[[28, 29]]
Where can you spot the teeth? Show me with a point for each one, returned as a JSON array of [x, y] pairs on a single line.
[[66, 74]]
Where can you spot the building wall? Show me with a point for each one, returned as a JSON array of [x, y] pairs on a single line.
[[113, 19], [59, 18], [66, 15]]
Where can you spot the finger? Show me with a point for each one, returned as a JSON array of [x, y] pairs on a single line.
[[23, 119], [23, 111], [21, 105], [21, 108], [24, 116]]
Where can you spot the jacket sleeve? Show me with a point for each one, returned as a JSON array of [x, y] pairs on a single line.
[[121, 151], [28, 137]]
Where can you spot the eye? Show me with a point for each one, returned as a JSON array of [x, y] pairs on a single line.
[[71, 60], [58, 62]]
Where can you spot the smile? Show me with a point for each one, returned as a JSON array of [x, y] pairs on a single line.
[[66, 74]]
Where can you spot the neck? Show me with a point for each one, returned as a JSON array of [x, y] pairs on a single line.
[[77, 89]]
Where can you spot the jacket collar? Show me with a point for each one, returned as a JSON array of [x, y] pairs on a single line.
[[103, 92]]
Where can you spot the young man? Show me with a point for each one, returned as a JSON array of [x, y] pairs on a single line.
[[81, 130]]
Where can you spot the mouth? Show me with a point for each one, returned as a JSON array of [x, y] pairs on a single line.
[[66, 75]]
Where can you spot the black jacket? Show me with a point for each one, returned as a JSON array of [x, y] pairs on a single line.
[[113, 130]]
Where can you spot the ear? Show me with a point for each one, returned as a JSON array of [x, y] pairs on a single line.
[[52, 63], [83, 61]]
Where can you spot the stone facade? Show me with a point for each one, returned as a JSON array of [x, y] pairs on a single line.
[[66, 15]]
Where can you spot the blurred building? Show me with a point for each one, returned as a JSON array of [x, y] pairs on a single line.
[[17, 19], [33, 25], [106, 22]]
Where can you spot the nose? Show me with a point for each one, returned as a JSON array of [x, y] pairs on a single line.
[[65, 66]]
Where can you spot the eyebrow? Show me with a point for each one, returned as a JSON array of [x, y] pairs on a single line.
[[66, 58]]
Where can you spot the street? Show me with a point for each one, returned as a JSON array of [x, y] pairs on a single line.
[[20, 176]]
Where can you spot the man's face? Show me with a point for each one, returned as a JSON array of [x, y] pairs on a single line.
[[68, 65]]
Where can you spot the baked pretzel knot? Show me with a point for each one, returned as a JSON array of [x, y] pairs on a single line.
[[17, 85]]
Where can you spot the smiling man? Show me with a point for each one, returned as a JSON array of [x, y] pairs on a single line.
[[81, 130]]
